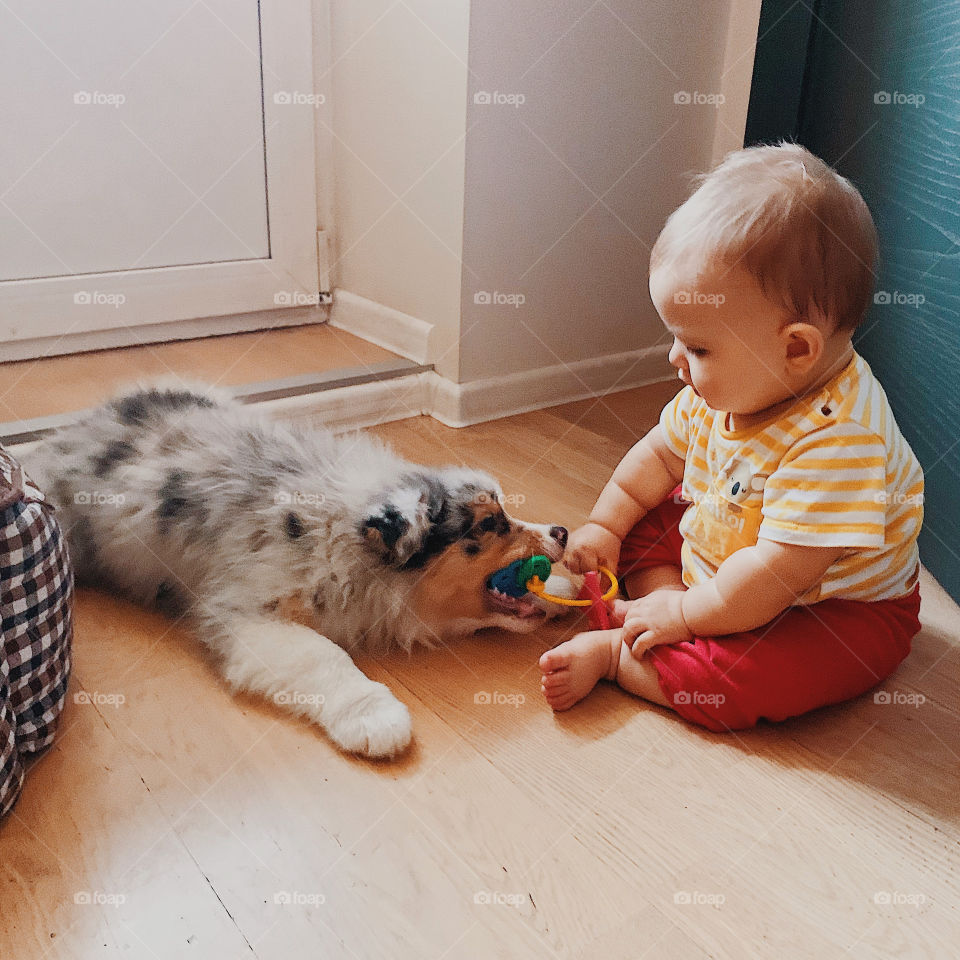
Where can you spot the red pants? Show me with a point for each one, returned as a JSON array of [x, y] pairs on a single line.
[[807, 657]]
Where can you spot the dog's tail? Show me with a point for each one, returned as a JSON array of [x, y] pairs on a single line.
[[137, 405]]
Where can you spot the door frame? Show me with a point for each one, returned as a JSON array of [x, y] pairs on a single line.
[[42, 316]]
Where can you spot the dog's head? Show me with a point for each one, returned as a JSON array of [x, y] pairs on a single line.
[[447, 532]]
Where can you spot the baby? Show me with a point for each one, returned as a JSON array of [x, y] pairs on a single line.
[[781, 574]]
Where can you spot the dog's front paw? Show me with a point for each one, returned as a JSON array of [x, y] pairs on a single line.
[[376, 724]]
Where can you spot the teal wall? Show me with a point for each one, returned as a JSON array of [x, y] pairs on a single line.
[[905, 158]]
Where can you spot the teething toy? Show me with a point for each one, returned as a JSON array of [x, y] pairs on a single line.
[[512, 580], [528, 575]]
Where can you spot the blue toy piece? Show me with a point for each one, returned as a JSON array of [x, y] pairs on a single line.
[[512, 579]]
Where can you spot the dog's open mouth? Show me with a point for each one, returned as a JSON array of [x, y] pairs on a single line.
[[519, 607]]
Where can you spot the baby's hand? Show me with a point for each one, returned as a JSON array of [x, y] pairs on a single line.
[[590, 547], [655, 619]]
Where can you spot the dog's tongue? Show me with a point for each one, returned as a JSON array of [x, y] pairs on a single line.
[[515, 606]]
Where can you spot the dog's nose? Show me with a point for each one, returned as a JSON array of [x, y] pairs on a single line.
[[560, 535]]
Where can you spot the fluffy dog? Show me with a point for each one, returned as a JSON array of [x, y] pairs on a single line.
[[184, 499]]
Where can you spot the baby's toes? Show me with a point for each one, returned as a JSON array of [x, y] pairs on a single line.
[[554, 682], [556, 659], [561, 698]]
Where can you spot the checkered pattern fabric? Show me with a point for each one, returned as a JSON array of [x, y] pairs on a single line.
[[36, 594]]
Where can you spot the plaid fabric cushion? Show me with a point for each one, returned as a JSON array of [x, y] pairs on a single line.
[[36, 593]]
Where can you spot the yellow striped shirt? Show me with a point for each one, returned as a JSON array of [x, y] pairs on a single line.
[[834, 470]]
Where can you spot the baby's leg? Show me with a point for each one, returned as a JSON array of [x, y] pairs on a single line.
[[573, 669], [664, 576]]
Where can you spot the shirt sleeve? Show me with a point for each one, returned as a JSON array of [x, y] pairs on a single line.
[[829, 491], [675, 419]]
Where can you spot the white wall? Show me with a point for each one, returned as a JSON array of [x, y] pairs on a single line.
[[512, 191], [397, 82], [566, 192]]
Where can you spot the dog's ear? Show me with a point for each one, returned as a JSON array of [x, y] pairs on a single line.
[[414, 521], [384, 530]]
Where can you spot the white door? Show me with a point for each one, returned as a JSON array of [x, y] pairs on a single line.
[[156, 165]]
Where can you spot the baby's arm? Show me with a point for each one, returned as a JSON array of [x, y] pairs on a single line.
[[754, 585], [641, 481]]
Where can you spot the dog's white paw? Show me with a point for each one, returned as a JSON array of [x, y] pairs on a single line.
[[376, 724]]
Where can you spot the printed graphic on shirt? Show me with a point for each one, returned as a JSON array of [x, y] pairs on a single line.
[[728, 516]]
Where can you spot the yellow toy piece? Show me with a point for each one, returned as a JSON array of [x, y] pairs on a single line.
[[536, 585]]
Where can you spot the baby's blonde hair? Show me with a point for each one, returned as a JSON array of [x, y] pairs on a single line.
[[790, 221]]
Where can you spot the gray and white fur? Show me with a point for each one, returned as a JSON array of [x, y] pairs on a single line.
[[184, 499]]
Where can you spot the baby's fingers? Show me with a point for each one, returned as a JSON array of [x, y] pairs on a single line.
[[580, 560]]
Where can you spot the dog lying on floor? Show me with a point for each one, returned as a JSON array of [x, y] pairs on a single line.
[[184, 499]]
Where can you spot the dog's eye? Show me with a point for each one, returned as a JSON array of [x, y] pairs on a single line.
[[488, 524], [494, 523]]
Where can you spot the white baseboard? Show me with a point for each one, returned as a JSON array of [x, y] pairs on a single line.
[[384, 326], [461, 404], [349, 408]]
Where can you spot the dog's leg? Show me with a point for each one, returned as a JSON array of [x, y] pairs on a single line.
[[310, 675]]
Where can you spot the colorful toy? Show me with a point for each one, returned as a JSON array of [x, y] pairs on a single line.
[[529, 575], [513, 579]]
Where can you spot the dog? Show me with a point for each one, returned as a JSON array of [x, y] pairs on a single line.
[[288, 549]]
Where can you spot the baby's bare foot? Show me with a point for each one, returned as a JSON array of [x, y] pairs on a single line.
[[571, 670]]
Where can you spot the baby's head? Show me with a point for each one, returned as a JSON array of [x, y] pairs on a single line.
[[762, 276]]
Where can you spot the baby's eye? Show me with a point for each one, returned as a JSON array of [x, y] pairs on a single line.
[[698, 351]]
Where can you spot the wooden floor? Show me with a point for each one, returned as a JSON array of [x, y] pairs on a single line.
[[172, 820], [62, 384]]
